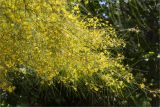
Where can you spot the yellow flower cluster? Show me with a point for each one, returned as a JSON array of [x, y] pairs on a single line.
[[42, 35]]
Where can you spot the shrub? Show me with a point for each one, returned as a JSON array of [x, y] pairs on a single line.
[[47, 55]]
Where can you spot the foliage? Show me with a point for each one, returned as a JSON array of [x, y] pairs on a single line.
[[43, 47], [138, 23]]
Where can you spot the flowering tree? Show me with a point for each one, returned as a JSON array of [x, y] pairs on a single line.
[[43, 37]]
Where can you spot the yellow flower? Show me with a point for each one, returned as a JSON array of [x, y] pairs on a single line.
[[142, 85], [96, 89], [10, 89]]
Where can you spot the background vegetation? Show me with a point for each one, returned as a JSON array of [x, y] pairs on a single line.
[[79, 52]]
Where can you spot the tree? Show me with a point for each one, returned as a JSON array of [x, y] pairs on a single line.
[[42, 37], [138, 23]]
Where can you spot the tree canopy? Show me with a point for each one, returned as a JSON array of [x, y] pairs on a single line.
[[45, 45]]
